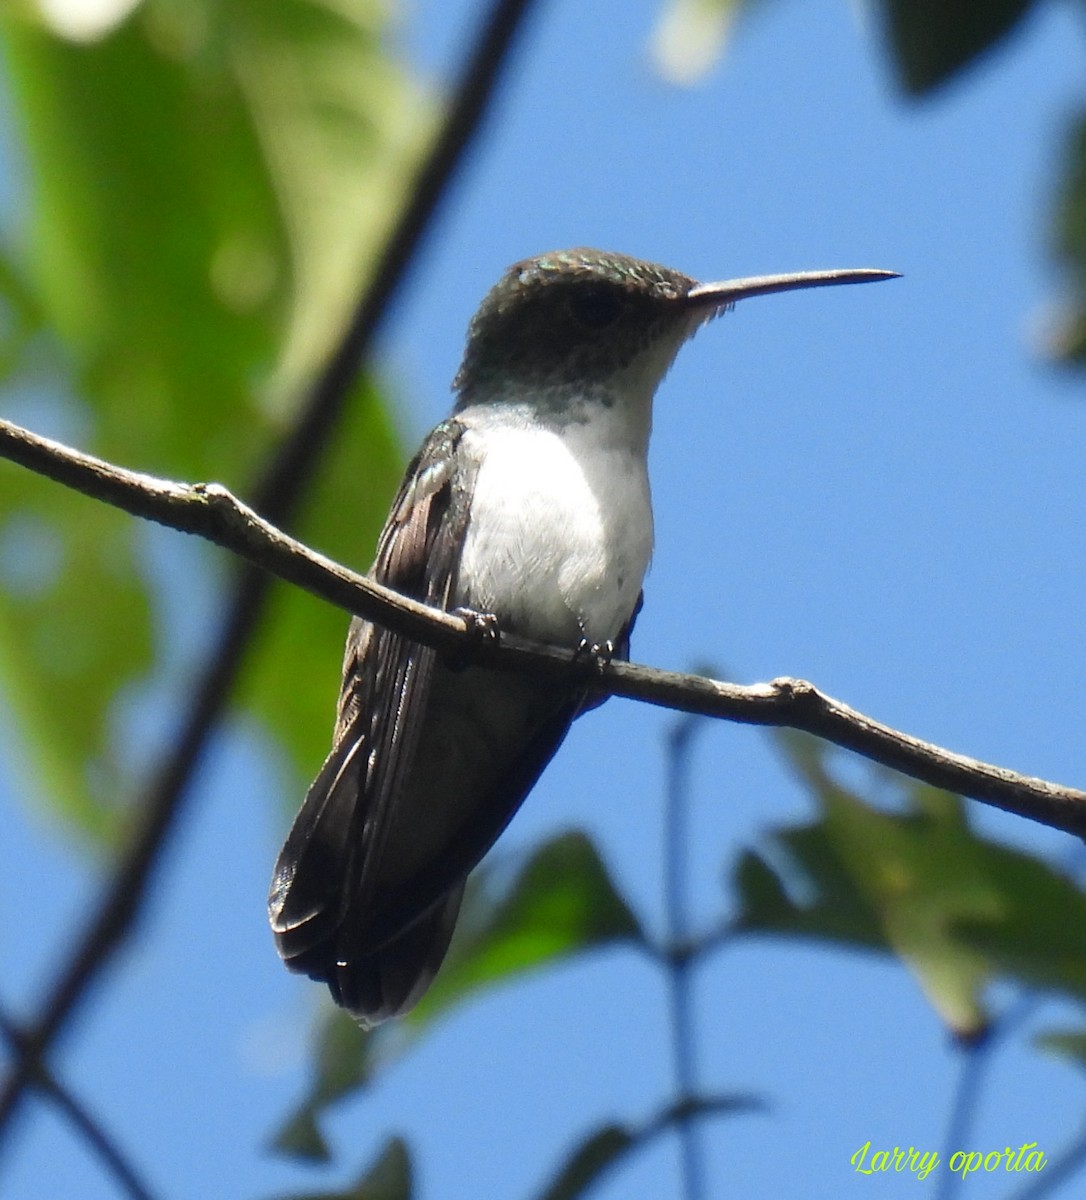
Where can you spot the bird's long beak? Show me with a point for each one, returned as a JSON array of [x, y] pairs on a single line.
[[723, 294]]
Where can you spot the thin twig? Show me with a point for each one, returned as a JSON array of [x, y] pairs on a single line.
[[279, 495], [212, 512], [975, 1057], [79, 1117], [680, 982], [976, 1060]]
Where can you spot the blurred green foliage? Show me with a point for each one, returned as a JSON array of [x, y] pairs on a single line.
[[206, 185], [909, 877]]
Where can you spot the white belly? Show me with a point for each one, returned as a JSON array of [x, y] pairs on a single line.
[[560, 535]]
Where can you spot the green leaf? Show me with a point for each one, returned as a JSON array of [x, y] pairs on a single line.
[[212, 180], [562, 902], [836, 911], [64, 652], [1037, 933], [208, 184], [901, 883], [931, 40], [1066, 1043], [344, 1060], [388, 1178], [341, 128], [301, 1138], [601, 1150], [592, 1157], [958, 909], [146, 175], [1065, 338], [20, 317]]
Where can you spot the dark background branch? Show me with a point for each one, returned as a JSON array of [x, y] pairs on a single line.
[[279, 494], [113, 1159], [680, 967]]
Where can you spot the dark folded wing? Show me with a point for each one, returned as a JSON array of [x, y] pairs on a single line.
[[325, 872]]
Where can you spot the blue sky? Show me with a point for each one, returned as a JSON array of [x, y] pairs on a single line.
[[878, 489]]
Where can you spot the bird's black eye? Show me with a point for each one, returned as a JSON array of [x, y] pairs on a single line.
[[595, 308]]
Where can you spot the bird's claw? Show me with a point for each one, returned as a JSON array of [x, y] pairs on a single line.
[[482, 628], [597, 654]]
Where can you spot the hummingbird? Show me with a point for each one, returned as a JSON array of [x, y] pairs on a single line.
[[529, 511]]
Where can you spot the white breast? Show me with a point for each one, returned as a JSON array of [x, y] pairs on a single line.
[[560, 534]]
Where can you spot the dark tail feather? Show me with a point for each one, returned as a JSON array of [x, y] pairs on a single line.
[[390, 981], [304, 901], [307, 907]]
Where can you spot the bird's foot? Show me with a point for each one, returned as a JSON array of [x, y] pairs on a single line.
[[598, 655], [482, 629]]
